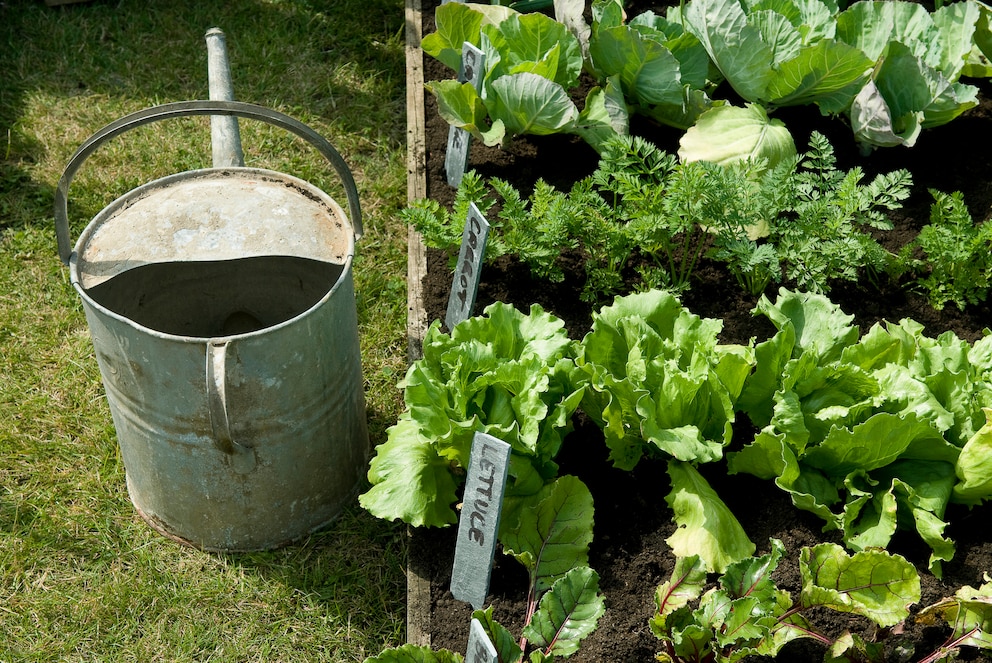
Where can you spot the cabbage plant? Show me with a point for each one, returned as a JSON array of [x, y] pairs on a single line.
[[890, 68], [532, 62], [661, 68]]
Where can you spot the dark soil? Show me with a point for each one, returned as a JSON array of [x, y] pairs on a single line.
[[632, 520]]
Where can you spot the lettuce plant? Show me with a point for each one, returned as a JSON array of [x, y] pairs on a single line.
[[868, 432], [660, 385], [531, 64], [506, 374]]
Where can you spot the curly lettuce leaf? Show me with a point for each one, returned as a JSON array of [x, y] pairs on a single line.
[[410, 481], [415, 654], [658, 381], [504, 373], [706, 526], [974, 466]]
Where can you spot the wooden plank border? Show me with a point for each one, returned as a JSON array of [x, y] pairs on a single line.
[[418, 592]]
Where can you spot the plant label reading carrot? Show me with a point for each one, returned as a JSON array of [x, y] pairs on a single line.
[[478, 523], [480, 647], [465, 284], [456, 156]]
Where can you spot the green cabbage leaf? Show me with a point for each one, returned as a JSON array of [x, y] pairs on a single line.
[[531, 64]]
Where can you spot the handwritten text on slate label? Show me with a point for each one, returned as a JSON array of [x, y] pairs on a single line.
[[480, 647], [456, 156], [478, 523], [465, 284]]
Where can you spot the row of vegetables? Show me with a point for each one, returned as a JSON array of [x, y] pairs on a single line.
[[873, 433], [889, 69]]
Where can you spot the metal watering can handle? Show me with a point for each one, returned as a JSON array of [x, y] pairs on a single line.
[[184, 109], [242, 458]]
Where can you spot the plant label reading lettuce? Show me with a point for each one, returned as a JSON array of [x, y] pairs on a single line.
[[456, 157], [480, 648], [465, 284], [478, 523]]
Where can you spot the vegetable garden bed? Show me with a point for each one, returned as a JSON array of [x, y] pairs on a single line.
[[632, 519]]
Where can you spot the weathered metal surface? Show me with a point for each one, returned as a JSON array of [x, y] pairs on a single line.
[[222, 310], [296, 444], [213, 214], [225, 135]]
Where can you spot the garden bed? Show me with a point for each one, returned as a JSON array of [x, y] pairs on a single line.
[[632, 519]]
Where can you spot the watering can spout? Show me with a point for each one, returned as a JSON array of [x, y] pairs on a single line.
[[225, 137]]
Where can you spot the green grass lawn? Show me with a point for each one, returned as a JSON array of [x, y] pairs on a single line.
[[82, 577]]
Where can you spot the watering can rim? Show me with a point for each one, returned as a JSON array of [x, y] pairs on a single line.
[[200, 340], [190, 108], [215, 183]]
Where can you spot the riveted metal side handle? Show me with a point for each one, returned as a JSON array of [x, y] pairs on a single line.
[[240, 457], [185, 109]]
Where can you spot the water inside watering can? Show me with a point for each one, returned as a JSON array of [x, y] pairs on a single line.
[[217, 298]]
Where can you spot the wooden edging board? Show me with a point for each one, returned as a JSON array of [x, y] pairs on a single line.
[[418, 584]]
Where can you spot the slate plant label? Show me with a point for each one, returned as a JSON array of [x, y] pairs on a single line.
[[478, 523], [480, 648], [456, 154], [465, 284]]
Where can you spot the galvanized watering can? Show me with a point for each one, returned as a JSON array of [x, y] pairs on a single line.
[[221, 306]]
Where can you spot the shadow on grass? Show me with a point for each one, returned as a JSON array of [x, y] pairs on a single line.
[[340, 61]]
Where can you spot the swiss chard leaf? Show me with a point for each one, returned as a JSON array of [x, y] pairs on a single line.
[[968, 613], [567, 613], [871, 583], [685, 585], [553, 534], [506, 645]]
